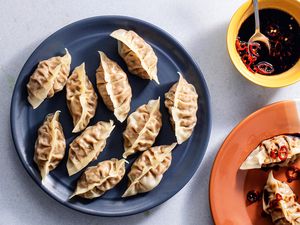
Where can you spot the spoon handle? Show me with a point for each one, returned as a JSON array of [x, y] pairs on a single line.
[[256, 15]]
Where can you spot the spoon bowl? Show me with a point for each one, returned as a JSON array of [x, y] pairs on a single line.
[[258, 36]]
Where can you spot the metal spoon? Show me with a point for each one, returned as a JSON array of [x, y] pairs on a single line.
[[258, 36]]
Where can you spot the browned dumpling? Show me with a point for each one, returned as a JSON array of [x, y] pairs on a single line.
[[280, 202], [50, 145], [281, 150], [148, 170], [96, 180], [143, 126], [137, 53], [49, 77], [181, 101], [87, 146], [81, 98], [113, 86]]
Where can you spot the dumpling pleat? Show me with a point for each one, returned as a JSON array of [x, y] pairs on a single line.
[[49, 77], [96, 180], [81, 98], [287, 209], [142, 128], [137, 53], [50, 145], [114, 88], [87, 146], [261, 155], [182, 103], [148, 169]]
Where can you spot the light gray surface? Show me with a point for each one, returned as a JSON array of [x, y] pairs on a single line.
[[199, 25]]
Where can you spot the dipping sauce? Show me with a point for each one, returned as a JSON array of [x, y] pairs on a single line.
[[292, 173], [284, 34], [253, 196]]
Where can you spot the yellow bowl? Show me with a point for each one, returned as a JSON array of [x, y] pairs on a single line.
[[288, 77]]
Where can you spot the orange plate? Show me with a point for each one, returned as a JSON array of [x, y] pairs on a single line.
[[229, 185]]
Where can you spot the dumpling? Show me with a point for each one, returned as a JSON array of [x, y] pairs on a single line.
[[137, 53], [143, 126], [50, 145], [280, 150], [148, 170], [182, 103], [81, 98], [96, 180], [49, 77], [87, 146], [279, 201], [113, 86]]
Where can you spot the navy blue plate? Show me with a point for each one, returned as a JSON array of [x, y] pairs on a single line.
[[83, 39]]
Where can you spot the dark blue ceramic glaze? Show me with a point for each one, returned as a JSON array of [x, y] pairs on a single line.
[[83, 39]]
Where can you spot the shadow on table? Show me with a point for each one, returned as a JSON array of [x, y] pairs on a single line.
[[225, 85], [233, 97], [27, 189], [53, 210], [199, 190]]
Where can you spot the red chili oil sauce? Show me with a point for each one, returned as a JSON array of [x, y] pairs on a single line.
[[284, 34]]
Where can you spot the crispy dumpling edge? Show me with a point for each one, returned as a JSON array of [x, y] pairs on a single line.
[[76, 129], [36, 102], [288, 197], [126, 194], [255, 159], [176, 127], [104, 56], [119, 163], [118, 35], [71, 172], [56, 115], [128, 151]]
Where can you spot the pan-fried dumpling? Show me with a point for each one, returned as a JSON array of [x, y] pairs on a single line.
[[96, 180], [181, 102], [137, 53], [148, 170], [87, 146], [280, 150], [143, 126], [49, 77], [81, 98], [50, 145], [113, 86], [279, 201]]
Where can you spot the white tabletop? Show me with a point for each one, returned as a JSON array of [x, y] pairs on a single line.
[[201, 28]]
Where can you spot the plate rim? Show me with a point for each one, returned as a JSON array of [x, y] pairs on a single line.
[[206, 97], [238, 125]]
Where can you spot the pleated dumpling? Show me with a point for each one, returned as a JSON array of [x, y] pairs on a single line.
[[49, 77], [88, 145], [281, 150], [50, 145], [279, 201], [182, 103], [113, 86], [137, 53], [143, 126], [148, 170], [81, 98], [96, 180]]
